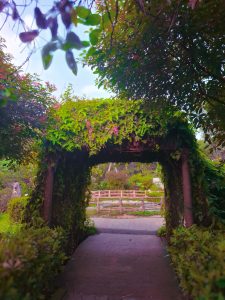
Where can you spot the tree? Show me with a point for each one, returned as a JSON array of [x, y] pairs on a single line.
[[166, 52], [24, 101]]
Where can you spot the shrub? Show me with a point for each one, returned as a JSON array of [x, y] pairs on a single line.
[[16, 207], [8, 227], [141, 181], [5, 195], [116, 180], [161, 232], [155, 194], [156, 188], [29, 261], [89, 227], [198, 257]]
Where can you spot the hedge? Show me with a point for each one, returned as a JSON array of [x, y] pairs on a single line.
[[198, 255], [29, 262]]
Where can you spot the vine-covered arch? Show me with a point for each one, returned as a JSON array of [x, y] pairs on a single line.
[[81, 134]]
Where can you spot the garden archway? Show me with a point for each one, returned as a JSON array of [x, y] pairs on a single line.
[[85, 133]]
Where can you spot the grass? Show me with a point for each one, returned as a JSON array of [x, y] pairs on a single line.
[[6, 226], [145, 213], [93, 212], [92, 205]]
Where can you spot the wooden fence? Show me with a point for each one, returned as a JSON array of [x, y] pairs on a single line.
[[125, 200]]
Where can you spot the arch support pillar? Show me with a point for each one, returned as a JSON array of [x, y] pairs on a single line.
[[48, 190], [187, 192]]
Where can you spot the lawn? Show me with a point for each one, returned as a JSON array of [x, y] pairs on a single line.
[[145, 213]]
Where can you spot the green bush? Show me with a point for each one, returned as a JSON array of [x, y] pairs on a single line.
[[155, 194], [156, 188], [8, 227], [140, 181], [29, 262], [16, 207], [161, 232], [198, 255]]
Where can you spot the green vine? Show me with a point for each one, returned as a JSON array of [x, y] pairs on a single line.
[[78, 130]]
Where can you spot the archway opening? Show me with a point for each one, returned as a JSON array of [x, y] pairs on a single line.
[[126, 190]]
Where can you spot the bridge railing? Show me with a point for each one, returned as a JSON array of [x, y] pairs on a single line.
[[125, 200]]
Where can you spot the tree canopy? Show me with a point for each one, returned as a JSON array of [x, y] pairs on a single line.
[[166, 51], [24, 101]]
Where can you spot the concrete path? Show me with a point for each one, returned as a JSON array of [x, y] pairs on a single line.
[[116, 266], [131, 225]]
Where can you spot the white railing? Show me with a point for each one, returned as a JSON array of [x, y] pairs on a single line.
[[125, 200]]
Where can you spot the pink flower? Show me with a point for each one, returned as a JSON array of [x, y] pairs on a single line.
[[115, 130], [56, 106]]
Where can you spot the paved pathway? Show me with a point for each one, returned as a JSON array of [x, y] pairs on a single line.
[[116, 266], [131, 225]]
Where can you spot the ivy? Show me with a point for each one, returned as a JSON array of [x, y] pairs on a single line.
[[91, 124]]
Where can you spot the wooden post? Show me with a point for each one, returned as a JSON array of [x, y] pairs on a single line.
[[98, 206], [143, 205], [188, 213], [47, 206], [121, 205]]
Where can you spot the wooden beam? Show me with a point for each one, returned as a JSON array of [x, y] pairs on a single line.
[[187, 192]]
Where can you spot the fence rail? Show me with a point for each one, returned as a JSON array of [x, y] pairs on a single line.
[[120, 194], [124, 200]]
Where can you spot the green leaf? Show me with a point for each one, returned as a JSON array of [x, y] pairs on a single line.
[[71, 62], [94, 36], [72, 42], [46, 53], [93, 20], [47, 60], [83, 12], [221, 282], [85, 43], [91, 51], [81, 21], [105, 19]]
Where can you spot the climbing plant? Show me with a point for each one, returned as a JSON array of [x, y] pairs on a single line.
[[83, 133]]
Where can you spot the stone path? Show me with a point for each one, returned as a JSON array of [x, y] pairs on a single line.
[[118, 265]]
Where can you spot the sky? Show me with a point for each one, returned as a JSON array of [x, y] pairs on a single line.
[[58, 73]]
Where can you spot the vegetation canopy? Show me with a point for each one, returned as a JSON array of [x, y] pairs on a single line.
[[90, 125]]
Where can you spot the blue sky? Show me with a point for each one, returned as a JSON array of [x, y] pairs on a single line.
[[58, 73]]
